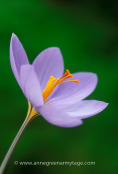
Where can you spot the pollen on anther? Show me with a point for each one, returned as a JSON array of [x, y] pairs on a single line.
[[53, 82]]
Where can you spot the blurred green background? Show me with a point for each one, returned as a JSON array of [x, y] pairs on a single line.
[[87, 34]]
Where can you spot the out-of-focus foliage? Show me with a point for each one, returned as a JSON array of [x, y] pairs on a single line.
[[87, 34]]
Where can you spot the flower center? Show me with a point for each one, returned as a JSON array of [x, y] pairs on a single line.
[[53, 82]]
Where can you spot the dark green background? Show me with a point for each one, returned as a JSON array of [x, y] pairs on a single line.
[[87, 34]]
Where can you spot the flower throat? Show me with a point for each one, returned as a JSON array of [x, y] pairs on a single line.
[[53, 82]]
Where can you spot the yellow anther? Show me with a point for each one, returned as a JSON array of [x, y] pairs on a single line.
[[53, 82]]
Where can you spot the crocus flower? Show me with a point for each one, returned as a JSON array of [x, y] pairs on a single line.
[[57, 96], [50, 92]]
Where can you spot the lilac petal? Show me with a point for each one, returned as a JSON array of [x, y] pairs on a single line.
[[58, 117], [18, 56], [48, 63], [71, 92], [30, 85], [83, 109]]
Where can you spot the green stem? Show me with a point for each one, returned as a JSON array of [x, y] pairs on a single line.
[[14, 143]]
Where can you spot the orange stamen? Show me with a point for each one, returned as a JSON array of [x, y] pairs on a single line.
[[77, 81], [68, 76], [53, 82], [66, 73]]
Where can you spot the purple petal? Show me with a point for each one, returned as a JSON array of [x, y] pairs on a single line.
[[30, 85], [71, 92], [58, 117], [48, 63], [83, 109], [18, 56]]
